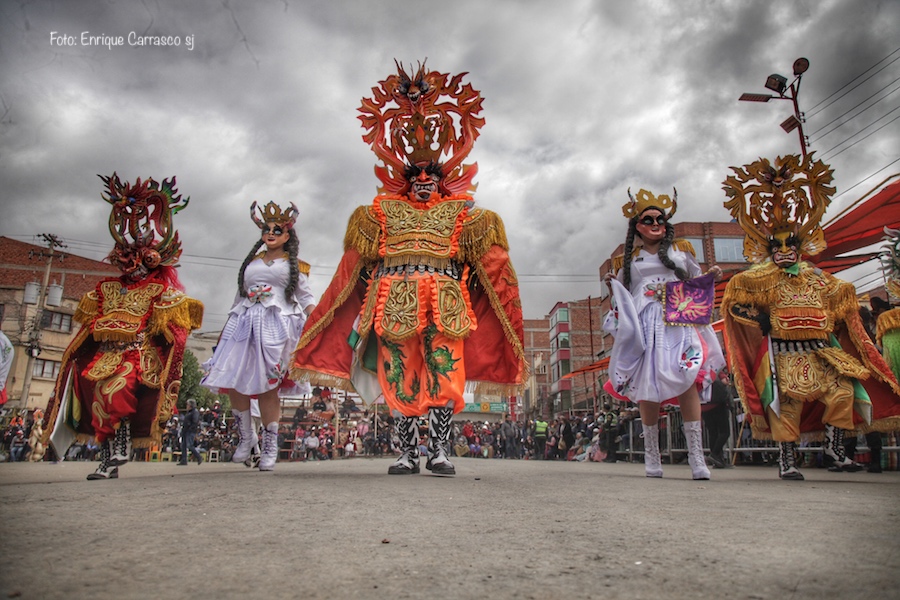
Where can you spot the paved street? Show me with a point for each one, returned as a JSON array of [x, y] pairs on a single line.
[[499, 529]]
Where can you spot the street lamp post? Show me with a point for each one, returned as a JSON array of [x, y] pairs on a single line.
[[778, 84]]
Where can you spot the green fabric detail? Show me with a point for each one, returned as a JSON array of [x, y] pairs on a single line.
[[890, 343]]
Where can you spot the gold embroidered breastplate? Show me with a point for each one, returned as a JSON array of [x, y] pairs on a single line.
[[799, 311], [417, 236], [418, 281], [124, 311]]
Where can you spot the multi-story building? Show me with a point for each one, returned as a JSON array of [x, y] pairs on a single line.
[[40, 342], [575, 340], [535, 402]]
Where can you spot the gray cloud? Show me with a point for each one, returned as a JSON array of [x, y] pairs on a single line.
[[582, 101]]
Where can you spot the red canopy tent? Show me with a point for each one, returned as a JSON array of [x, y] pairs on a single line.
[[862, 223]]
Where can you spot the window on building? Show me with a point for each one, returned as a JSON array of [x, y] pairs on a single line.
[[697, 243], [563, 339], [729, 250], [45, 369], [560, 368], [55, 321], [560, 316]]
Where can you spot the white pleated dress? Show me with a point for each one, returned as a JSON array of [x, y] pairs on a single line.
[[254, 351], [650, 360]]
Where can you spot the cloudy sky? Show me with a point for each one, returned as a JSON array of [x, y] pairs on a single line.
[[583, 99]]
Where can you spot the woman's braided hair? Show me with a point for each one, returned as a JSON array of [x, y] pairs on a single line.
[[663, 252], [291, 246]]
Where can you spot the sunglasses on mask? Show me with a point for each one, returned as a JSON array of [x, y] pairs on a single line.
[[274, 231], [648, 220]]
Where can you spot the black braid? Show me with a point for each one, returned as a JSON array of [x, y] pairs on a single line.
[[246, 262], [292, 246], [664, 253], [629, 249]]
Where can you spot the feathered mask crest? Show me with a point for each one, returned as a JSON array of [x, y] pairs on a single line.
[[788, 197], [141, 222], [424, 118]]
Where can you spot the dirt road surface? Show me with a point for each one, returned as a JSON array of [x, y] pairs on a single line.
[[498, 529]]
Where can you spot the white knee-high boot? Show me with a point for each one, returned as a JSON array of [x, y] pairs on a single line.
[[694, 435], [652, 463], [270, 447], [245, 429]]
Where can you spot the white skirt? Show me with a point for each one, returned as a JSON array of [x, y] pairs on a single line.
[[254, 352], [656, 362]]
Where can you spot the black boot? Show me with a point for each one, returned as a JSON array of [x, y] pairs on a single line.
[[787, 462], [121, 446], [835, 459], [439, 425], [106, 470], [408, 432]]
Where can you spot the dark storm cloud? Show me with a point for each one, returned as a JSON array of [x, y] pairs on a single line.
[[582, 101]]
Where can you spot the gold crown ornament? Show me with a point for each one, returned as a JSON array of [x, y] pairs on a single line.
[[272, 213], [646, 200]]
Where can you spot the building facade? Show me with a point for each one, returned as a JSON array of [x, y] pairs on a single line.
[[575, 341], [536, 401], [40, 328]]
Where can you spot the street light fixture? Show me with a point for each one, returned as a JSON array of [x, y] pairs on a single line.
[[779, 84]]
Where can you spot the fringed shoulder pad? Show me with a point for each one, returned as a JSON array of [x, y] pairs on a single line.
[[481, 230], [753, 286], [684, 245], [88, 308], [303, 267], [841, 297], [887, 321], [363, 233], [175, 308]]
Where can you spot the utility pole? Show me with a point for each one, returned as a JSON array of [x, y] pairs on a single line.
[[34, 336]]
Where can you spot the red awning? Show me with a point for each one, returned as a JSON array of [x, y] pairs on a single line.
[[591, 368], [863, 224]]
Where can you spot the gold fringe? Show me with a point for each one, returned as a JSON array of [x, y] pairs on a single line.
[[481, 230], [303, 267], [492, 388], [887, 321], [187, 314], [886, 425], [401, 260], [87, 308], [363, 234], [323, 379], [843, 300], [684, 245]]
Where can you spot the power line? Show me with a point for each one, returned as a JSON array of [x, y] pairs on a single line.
[[854, 108], [865, 178], [862, 138], [857, 85]]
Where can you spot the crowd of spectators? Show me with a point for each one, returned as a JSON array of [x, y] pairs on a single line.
[[587, 437]]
